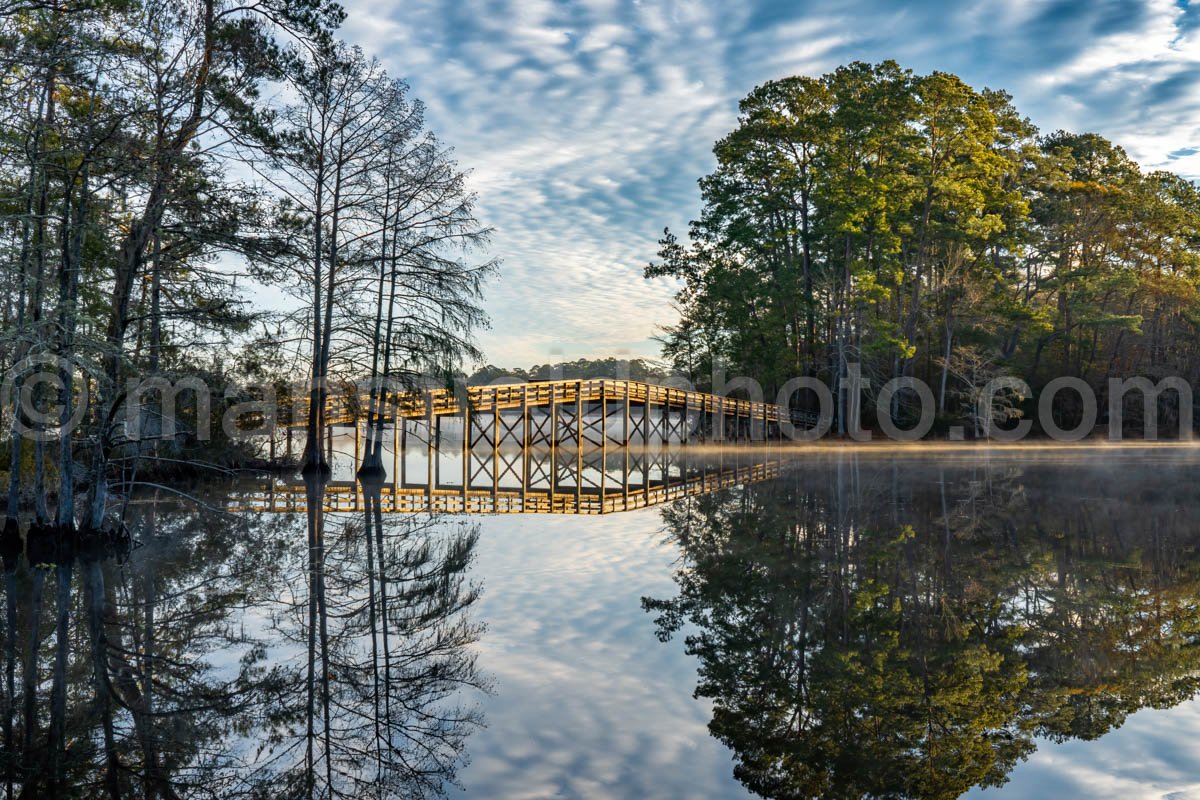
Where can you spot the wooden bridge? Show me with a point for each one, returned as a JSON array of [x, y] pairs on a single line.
[[539, 481], [569, 446], [594, 412], [634, 402]]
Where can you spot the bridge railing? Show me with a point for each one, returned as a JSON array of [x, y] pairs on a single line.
[[344, 407]]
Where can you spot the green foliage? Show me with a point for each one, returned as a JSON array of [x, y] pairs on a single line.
[[154, 154], [878, 216]]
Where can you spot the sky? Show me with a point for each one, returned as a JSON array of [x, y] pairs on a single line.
[[585, 125]]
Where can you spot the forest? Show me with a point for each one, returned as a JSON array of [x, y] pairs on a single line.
[[923, 228], [633, 369], [212, 215], [166, 169]]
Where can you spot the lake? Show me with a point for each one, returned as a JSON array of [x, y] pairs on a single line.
[[910, 622]]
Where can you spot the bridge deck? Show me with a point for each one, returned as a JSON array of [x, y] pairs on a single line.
[[529, 433], [718, 412]]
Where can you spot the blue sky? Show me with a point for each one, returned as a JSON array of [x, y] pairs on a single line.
[[586, 124]]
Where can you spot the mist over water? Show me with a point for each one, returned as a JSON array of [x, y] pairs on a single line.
[[1046, 595], [851, 622]]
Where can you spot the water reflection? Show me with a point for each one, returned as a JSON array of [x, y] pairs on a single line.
[[530, 480], [864, 625], [201, 654], [898, 627]]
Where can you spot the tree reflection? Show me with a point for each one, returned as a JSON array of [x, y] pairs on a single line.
[[388, 666], [204, 654], [879, 628]]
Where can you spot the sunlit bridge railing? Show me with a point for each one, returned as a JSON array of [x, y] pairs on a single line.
[[635, 409]]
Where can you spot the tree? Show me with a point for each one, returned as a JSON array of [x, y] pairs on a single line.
[[385, 217], [879, 217]]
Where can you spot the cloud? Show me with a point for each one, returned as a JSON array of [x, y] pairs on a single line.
[[587, 123], [1151, 757], [587, 703]]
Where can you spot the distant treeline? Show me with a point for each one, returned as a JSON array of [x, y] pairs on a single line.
[[924, 228], [635, 369]]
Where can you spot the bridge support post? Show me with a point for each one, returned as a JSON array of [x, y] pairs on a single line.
[[603, 441], [625, 451], [399, 478], [356, 459], [466, 450], [626, 435], [625, 480], [578, 444], [666, 421], [495, 447], [430, 453], [524, 445], [552, 472]]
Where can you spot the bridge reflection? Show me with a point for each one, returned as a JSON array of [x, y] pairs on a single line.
[[425, 476]]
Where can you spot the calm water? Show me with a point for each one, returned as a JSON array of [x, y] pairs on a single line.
[[855, 623]]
